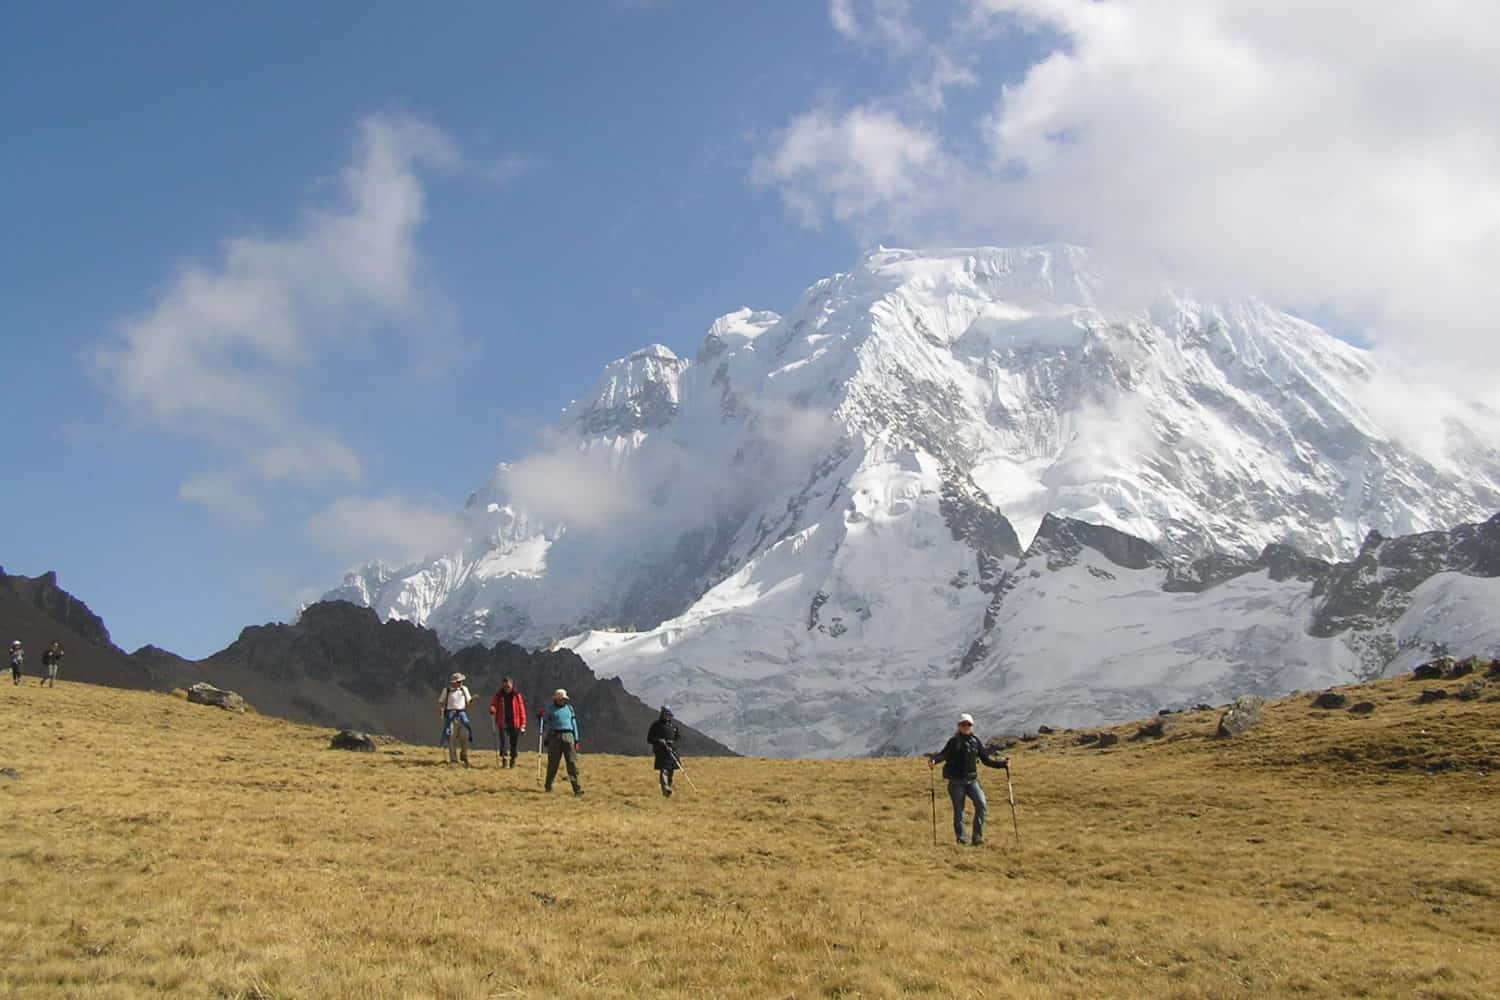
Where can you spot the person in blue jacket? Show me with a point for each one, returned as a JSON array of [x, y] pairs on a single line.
[[961, 757], [560, 731]]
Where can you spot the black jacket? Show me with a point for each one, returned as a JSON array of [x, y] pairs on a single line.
[[664, 731], [961, 757]]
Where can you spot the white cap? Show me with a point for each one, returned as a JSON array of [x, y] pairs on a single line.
[[457, 679], [561, 693], [966, 717]]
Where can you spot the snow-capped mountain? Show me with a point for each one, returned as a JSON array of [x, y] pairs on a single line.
[[830, 525]]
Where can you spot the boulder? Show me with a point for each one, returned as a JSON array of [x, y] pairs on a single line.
[[1152, 730], [1330, 700], [1108, 739], [204, 693], [1362, 708], [1201, 707], [1242, 716], [1429, 671], [351, 739], [10, 774], [1430, 695], [1045, 730], [1084, 739], [1494, 672], [1470, 691]]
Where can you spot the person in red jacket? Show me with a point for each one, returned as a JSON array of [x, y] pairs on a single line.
[[509, 710]]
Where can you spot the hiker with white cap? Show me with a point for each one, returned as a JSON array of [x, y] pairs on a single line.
[[961, 757], [17, 658], [560, 726], [454, 702]]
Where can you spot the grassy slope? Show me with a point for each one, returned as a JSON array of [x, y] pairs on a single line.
[[155, 847]]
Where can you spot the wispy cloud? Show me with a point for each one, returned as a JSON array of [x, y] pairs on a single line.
[[223, 354], [1324, 154], [386, 527]]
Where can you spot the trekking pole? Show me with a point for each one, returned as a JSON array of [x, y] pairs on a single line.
[[932, 797], [1011, 791], [678, 761], [540, 725]]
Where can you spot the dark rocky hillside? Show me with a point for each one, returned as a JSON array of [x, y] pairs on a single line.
[[38, 612], [339, 665]]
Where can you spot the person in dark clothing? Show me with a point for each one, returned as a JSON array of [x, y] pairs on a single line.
[[52, 660], [961, 757], [509, 710], [665, 736]]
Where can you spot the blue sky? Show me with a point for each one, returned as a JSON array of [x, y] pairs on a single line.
[[267, 264]]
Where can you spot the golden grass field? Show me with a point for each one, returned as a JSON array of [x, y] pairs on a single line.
[[153, 847]]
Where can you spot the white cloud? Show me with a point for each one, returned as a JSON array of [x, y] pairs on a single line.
[[865, 165], [224, 496], [588, 489], [223, 353], [390, 528], [1328, 155]]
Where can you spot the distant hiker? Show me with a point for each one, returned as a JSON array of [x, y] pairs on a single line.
[[560, 726], [455, 703], [961, 757], [52, 660], [509, 710], [664, 736], [17, 657]]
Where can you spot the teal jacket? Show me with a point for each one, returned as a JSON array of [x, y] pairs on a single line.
[[560, 719]]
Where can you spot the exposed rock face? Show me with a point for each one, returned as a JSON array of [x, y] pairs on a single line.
[[349, 739], [1059, 540], [206, 694], [1242, 716], [43, 593], [1375, 588], [38, 612]]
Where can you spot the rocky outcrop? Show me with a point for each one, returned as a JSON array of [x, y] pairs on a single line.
[[204, 693], [350, 739], [1375, 588], [1060, 540], [1242, 716]]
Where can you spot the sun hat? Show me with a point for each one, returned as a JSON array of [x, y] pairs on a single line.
[[561, 693], [966, 717], [457, 679]]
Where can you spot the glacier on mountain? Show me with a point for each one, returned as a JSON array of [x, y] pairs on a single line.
[[829, 531]]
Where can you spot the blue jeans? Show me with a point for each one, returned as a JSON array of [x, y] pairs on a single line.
[[959, 790], [449, 714]]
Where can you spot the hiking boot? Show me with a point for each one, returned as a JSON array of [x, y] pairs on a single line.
[[577, 792], [977, 842], [547, 788], [962, 842]]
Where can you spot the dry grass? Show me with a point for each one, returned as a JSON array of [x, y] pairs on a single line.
[[156, 847]]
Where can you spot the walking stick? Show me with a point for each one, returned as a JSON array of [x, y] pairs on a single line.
[[1011, 791], [678, 761], [540, 725], [932, 797]]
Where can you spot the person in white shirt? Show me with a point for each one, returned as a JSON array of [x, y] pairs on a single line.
[[455, 704]]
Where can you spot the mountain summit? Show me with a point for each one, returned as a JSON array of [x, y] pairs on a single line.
[[814, 526]]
